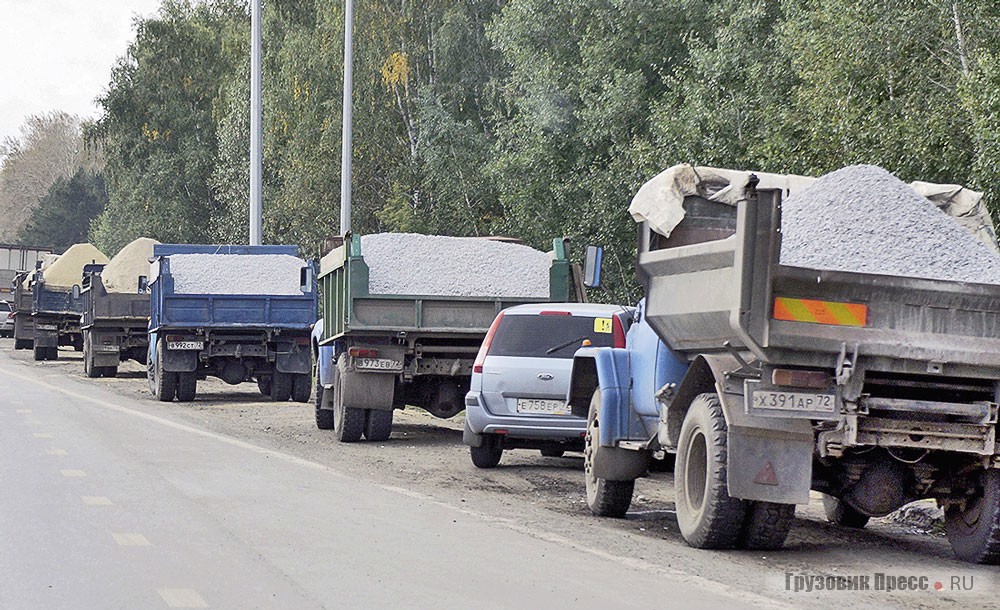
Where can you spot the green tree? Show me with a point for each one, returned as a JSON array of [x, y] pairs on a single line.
[[63, 215]]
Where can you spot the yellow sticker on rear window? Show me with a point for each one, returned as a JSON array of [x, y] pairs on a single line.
[[602, 325]]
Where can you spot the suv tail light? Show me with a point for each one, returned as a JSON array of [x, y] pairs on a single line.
[[617, 331], [485, 347]]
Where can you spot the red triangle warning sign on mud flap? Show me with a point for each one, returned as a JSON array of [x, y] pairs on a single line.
[[766, 475]]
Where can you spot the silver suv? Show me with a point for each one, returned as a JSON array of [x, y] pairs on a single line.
[[520, 379], [6, 319]]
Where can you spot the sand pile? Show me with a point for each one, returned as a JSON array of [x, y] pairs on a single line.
[[122, 273], [67, 270]]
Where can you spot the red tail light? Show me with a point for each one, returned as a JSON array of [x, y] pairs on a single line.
[[554, 313], [617, 331], [485, 347], [362, 352]]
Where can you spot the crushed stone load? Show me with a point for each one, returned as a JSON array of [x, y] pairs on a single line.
[[122, 273], [257, 274], [863, 219], [67, 270], [413, 264]]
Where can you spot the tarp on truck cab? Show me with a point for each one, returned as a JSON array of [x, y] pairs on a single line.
[[660, 200]]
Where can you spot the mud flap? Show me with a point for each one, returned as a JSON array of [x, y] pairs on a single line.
[[616, 464], [180, 361], [770, 465], [294, 360], [368, 390]]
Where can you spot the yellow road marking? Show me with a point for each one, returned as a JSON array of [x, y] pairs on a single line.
[[182, 598], [73, 473], [130, 539], [96, 500]]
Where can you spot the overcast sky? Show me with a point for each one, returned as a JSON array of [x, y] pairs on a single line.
[[58, 54]]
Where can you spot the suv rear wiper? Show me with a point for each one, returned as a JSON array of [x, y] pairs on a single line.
[[567, 344]]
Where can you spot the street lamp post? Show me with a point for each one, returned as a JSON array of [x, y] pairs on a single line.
[[345, 154], [256, 206]]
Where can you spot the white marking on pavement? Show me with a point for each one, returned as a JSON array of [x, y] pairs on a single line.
[[719, 588], [182, 598], [73, 473], [131, 539], [43, 435], [55, 451], [33, 422], [96, 500], [24, 411]]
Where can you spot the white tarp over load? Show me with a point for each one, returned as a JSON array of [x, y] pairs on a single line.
[[67, 270], [122, 273], [660, 200]]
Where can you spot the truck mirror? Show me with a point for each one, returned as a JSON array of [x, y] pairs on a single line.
[[592, 266], [76, 291], [143, 284], [306, 279]]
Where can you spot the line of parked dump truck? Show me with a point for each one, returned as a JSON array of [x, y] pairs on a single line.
[[769, 361]]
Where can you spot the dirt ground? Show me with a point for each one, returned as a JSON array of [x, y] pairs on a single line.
[[545, 497]]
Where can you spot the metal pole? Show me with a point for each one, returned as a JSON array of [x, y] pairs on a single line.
[[256, 207], [345, 154]]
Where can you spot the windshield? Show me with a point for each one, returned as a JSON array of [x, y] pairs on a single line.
[[549, 336]]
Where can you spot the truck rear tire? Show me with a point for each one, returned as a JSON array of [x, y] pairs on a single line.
[[349, 423], [281, 386], [841, 513], [23, 343], [40, 353], [604, 498], [301, 387], [324, 417], [974, 532], [378, 425], [162, 384], [489, 453], [766, 526], [187, 386], [264, 385], [708, 517], [110, 371]]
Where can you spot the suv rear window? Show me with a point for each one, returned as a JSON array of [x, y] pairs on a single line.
[[533, 336], [5, 306]]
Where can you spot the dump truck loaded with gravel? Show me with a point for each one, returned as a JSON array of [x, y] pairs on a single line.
[[116, 310], [404, 316], [239, 313], [838, 334], [56, 304]]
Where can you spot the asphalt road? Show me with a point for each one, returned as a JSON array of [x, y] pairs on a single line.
[[108, 503]]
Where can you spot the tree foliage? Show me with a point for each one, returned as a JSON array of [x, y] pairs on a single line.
[[535, 118]]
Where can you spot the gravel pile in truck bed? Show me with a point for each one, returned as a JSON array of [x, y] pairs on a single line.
[[253, 274], [67, 270], [412, 264], [863, 219]]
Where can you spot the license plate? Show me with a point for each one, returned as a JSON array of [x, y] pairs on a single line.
[[794, 401], [541, 405], [106, 348], [378, 364], [185, 345], [47, 326]]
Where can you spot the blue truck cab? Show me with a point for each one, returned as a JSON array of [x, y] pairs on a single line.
[[617, 390], [235, 337]]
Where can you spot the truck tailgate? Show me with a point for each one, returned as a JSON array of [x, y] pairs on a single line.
[[206, 310]]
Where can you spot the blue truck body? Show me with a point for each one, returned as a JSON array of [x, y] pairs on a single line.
[[236, 337]]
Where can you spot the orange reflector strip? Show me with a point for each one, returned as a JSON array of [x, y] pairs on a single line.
[[820, 312]]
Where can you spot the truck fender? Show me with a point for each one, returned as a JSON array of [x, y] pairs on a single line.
[[609, 370], [768, 459]]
